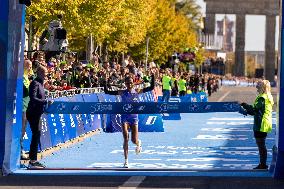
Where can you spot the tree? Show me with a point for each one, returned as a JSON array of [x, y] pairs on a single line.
[[191, 10], [121, 25], [171, 31]]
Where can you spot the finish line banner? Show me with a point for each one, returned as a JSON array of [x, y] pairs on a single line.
[[140, 107], [194, 97]]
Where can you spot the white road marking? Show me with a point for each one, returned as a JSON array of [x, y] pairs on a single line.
[[228, 123], [231, 119], [224, 96], [221, 137], [133, 182], [226, 129]]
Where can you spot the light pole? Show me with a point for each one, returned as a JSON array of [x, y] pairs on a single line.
[[147, 51]]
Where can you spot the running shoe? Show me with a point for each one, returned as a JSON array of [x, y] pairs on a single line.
[[260, 166], [24, 156], [125, 165], [138, 148], [36, 165]]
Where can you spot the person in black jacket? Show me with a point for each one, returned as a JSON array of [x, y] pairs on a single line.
[[130, 94], [34, 111]]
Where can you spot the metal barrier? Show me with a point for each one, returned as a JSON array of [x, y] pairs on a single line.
[[72, 92]]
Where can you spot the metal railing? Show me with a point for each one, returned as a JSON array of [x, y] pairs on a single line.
[[72, 92]]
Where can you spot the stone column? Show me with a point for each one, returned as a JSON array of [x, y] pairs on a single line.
[[210, 24], [269, 65], [240, 45]]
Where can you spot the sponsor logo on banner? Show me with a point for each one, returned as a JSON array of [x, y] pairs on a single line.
[[127, 108], [151, 120], [101, 107], [61, 107], [207, 107], [76, 108], [193, 107], [164, 107], [231, 107]]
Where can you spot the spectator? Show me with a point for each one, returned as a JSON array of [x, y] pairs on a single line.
[[166, 82], [28, 73], [182, 86], [34, 111]]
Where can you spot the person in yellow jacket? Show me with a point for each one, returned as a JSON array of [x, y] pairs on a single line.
[[28, 72], [182, 86], [167, 83], [262, 112]]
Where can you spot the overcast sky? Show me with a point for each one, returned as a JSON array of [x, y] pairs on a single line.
[[255, 29]]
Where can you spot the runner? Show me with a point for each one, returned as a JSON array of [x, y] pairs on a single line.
[[130, 94]]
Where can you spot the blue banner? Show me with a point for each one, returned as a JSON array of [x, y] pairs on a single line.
[[12, 16], [141, 107], [199, 97], [172, 116]]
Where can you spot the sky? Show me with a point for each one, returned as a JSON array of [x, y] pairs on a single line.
[[255, 29]]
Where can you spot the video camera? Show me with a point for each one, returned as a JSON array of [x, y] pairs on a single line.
[[25, 2], [57, 37]]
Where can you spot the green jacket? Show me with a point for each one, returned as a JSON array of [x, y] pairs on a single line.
[[262, 112]]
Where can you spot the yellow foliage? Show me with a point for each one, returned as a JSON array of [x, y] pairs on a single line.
[[123, 24]]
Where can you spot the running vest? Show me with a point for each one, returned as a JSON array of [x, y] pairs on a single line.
[[130, 96], [181, 85], [166, 81], [266, 122]]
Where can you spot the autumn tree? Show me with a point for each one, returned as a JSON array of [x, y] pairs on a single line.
[[122, 25]]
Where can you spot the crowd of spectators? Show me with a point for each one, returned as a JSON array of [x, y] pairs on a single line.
[[69, 73]]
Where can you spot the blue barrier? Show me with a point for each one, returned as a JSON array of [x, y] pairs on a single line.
[[59, 128], [70, 117]]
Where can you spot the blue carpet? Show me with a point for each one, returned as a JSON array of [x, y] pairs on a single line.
[[212, 141]]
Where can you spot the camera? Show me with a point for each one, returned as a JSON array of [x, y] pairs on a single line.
[[25, 2]]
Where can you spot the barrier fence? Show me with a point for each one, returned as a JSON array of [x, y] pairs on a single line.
[[74, 115], [59, 128]]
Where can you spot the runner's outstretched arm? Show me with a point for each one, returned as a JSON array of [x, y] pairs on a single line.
[[108, 91]]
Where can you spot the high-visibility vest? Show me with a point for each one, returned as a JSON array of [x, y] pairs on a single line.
[[181, 85], [266, 121], [166, 81]]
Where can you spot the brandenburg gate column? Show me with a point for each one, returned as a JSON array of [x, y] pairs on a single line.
[[240, 45], [210, 21], [269, 65]]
